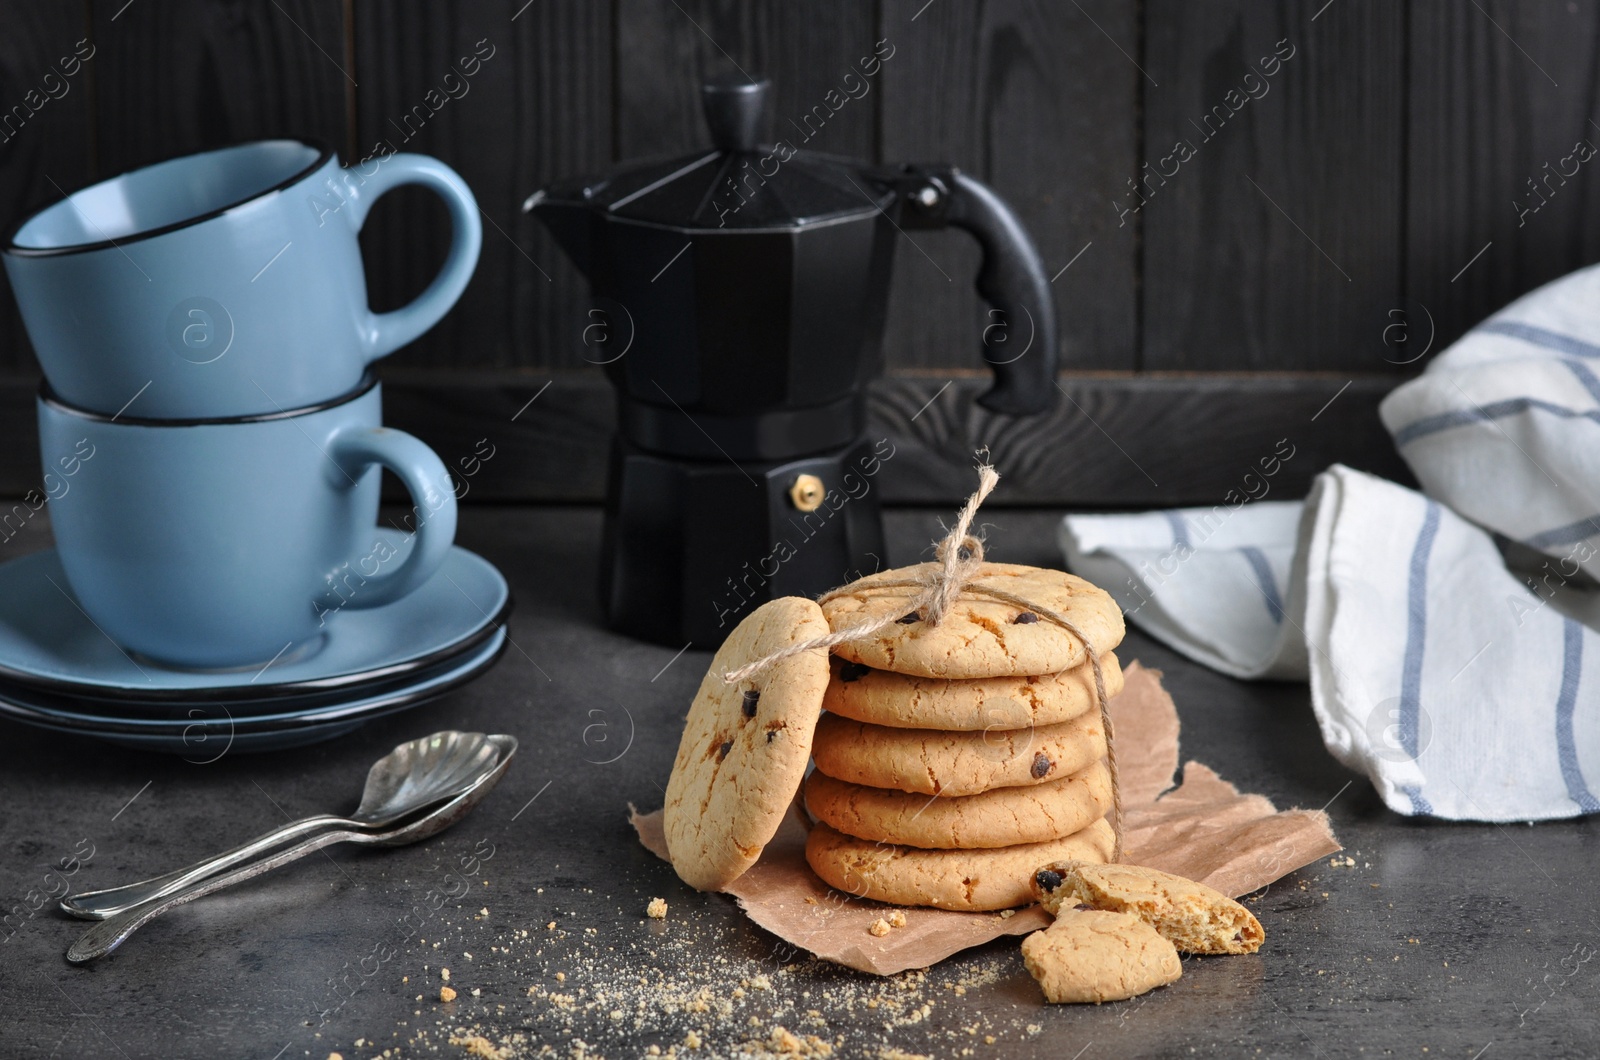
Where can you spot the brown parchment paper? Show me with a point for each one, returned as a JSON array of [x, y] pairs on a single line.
[[1203, 829]]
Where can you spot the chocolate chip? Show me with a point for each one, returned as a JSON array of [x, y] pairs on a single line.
[[1041, 766], [907, 619], [722, 752], [1025, 619], [770, 734], [751, 698], [853, 672], [1047, 880]]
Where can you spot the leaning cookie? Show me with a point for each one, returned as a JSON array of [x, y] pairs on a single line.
[[979, 636], [974, 880], [1098, 956], [949, 764], [880, 697], [1195, 917], [745, 746], [1005, 817]]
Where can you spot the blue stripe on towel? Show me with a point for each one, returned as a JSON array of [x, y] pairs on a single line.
[[1537, 336], [1571, 534], [1265, 581], [1180, 529], [1419, 804], [1566, 747], [1585, 376], [1416, 631], [1495, 410]]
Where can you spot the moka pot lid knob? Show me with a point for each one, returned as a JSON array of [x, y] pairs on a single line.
[[736, 111]]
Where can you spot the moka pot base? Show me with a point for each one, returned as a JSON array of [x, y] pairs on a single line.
[[692, 546]]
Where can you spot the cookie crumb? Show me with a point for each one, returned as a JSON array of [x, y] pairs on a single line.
[[880, 928], [561, 977], [479, 1046], [446, 994], [1007, 914], [691, 1041], [444, 973], [550, 926], [897, 918], [657, 909]]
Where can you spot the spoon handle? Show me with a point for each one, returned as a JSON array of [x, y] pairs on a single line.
[[98, 905], [111, 932]]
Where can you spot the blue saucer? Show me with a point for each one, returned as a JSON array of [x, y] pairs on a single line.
[[48, 644], [207, 733]]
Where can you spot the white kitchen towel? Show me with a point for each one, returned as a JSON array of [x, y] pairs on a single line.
[[1433, 668], [1213, 583], [1504, 426]]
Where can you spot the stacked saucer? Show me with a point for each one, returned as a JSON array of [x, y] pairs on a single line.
[[59, 672]]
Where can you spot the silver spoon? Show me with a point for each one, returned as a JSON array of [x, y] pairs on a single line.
[[414, 776], [111, 932]]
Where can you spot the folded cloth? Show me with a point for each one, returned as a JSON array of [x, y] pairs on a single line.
[[1433, 668], [1504, 426], [1212, 583]]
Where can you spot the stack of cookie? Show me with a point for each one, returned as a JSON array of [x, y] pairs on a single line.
[[956, 759]]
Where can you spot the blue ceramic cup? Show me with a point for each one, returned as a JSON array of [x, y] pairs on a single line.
[[227, 283], [222, 544]]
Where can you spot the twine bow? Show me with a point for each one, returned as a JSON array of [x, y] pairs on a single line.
[[960, 557]]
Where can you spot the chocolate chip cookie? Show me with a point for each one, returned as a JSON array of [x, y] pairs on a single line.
[[745, 746]]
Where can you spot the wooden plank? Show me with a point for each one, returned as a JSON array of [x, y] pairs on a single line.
[[1500, 202], [804, 49], [47, 59], [1109, 444], [1041, 102], [186, 75], [1274, 245], [536, 107]]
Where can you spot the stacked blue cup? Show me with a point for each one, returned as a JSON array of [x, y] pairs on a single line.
[[203, 329]]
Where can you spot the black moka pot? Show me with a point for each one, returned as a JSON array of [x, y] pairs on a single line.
[[746, 289]]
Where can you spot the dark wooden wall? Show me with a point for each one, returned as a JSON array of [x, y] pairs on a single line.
[[1372, 179]]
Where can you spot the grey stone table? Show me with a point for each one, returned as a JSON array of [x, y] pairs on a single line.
[[1441, 941]]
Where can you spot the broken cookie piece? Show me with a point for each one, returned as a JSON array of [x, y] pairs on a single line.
[[1090, 955], [1195, 917]]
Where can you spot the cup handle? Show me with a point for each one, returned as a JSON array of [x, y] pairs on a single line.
[[356, 449], [386, 332]]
